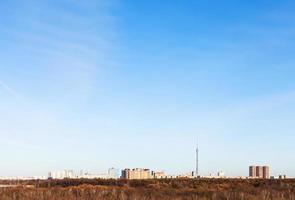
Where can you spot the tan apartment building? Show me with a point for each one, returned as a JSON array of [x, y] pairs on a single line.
[[136, 173]]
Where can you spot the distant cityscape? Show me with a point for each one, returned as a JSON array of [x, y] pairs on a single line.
[[255, 172]]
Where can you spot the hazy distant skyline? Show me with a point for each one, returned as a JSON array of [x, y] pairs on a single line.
[[120, 83]]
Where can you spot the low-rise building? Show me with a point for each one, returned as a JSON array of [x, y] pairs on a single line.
[[221, 174], [158, 175], [282, 176], [61, 174]]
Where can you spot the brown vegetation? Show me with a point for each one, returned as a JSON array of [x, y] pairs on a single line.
[[166, 189]]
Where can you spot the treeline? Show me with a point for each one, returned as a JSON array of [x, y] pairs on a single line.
[[162, 189]]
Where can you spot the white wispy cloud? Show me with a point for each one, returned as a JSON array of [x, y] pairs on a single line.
[[72, 43], [8, 89]]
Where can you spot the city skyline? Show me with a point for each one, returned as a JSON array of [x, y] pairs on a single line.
[[93, 84], [261, 172], [255, 172]]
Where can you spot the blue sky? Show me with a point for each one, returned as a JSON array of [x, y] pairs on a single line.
[[96, 84]]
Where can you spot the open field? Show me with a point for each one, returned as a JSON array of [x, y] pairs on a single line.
[[167, 189]]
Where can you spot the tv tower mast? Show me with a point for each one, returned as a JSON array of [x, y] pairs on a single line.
[[197, 160]]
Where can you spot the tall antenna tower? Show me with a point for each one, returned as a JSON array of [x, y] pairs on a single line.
[[197, 160]]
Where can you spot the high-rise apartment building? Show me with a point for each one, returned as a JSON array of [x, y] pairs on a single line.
[[125, 174], [252, 171], [137, 173], [259, 172], [265, 172]]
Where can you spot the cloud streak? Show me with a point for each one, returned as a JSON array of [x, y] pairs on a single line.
[[8, 89], [69, 45]]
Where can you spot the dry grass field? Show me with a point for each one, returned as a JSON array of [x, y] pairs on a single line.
[[166, 189]]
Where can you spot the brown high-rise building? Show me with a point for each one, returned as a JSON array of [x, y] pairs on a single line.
[[252, 171], [265, 172], [259, 172]]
